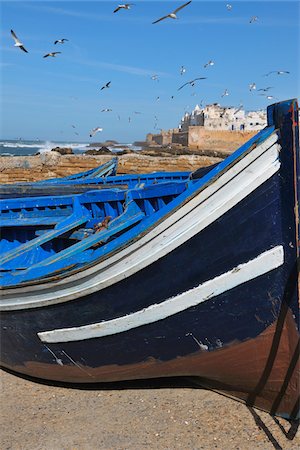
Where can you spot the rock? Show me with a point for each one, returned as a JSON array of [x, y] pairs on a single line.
[[63, 150], [100, 151]]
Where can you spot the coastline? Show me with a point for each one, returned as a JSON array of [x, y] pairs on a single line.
[[52, 164]]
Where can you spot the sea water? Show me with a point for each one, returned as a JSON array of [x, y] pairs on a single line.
[[11, 147], [24, 147]]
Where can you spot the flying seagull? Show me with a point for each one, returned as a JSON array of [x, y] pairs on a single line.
[[265, 89], [225, 93], [172, 15], [95, 130], [253, 19], [125, 6], [278, 72], [106, 110], [182, 70], [252, 86], [154, 77], [239, 109], [229, 6], [53, 54], [17, 42], [192, 82], [60, 41], [209, 63], [107, 85]]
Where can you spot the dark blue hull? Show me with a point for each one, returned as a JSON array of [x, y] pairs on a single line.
[[242, 340]]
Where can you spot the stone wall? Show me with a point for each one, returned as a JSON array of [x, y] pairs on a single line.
[[227, 141]]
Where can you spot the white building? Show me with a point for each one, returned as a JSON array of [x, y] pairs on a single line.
[[216, 117]]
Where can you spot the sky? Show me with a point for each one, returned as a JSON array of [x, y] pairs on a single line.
[[61, 98]]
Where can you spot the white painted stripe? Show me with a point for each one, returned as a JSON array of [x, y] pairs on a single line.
[[264, 263], [208, 205]]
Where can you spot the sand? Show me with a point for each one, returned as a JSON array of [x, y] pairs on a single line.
[[160, 415]]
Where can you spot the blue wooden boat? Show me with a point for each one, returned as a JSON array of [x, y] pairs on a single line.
[[54, 186], [196, 277], [106, 169], [102, 177]]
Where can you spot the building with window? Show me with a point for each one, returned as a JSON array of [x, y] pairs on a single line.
[[217, 117]]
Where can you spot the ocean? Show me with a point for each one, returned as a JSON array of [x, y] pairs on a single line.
[[11, 147]]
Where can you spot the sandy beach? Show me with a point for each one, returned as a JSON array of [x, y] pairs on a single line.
[[160, 414], [153, 414]]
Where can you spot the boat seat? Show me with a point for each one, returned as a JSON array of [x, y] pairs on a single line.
[[80, 252], [76, 219]]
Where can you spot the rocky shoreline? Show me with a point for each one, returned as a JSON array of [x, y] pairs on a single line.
[[54, 164]]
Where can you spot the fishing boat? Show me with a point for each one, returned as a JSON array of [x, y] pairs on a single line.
[[195, 278], [75, 183], [102, 177]]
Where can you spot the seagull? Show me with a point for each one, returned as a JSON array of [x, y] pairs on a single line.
[[252, 86], [95, 130], [60, 41], [107, 85], [253, 19], [73, 126], [265, 89], [137, 112], [210, 63], [53, 54], [225, 93], [239, 108], [229, 6], [129, 119], [17, 42], [157, 99], [172, 15], [278, 72], [269, 97], [154, 77], [106, 110], [125, 6], [182, 70], [192, 82]]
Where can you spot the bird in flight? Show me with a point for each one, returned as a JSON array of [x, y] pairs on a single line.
[[125, 6], [278, 72], [192, 82], [229, 7], [53, 54], [253, 19], [225, 93], [209, 63], [269, 97], [154, 77], [107, 85], [172, 15], [265, 89], [182, 70], [95, 130], [106, 110], [60, 41], [239, 109], [17, 42], [252, 86]]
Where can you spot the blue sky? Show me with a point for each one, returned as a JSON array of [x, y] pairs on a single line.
[[43, 97]]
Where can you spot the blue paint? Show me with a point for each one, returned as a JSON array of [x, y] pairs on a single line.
[[264, 219]]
